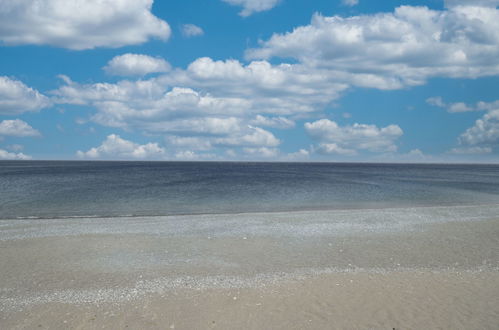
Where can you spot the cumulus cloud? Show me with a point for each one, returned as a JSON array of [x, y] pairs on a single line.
[[79, 24], [275, 122], [436, 101], [15, 147], [262, 152], [333, 148], [208, 88], [133, 103], [461, 106], [416, 153], [277, 89], [394, 50], [188, 118], [5, 155], [485, 3], [114, 147], [253, 6], [189, 155], [189, 142], [224, 102], [348, 140], [484, 132], [301, 154], [413, 156], [253, 136], [17, 127], [203, 126], [254, 141], [191, 30], [219, 101], [470, 150], [350, 3], [136, 65], [17, 98]]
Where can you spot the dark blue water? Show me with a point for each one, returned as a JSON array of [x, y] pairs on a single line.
[[63, 188]]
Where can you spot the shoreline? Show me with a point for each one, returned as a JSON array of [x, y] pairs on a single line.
[[265, 212]]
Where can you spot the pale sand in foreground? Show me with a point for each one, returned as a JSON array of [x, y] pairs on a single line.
[[413, 268], [400, 300]]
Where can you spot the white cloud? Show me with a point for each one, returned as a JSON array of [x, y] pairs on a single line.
[[350, 3], [114, 147], [436, 101], [5, 155], [128, 103], [16, 97], [484, 132], [275, 122], [276, 89], [194, 143], [223, 102], [252, 136], [203, 126], [208, 133], [301, 154], [333, 148], [461, 106], [208, 88], [187, 155], [471, 150], [136, 65], [253, 6], [394, 50], [415, 153], [191, 30], [262, 152], [17, 127], [413, 156], [350, 139], [79, 24], [15, 147], [486, 3]]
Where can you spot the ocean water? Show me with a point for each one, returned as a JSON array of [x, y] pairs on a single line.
[[55, 189]]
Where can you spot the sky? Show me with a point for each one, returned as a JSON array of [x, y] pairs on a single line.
[[250, 80]]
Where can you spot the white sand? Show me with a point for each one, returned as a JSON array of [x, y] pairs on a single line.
[[400, 300], [411, 268]]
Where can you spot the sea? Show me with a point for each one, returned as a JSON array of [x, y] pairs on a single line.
[[65, 189]]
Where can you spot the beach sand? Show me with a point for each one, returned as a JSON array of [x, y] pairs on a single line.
[[400, 300], [434, 268]]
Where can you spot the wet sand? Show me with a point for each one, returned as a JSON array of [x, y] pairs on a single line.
[[418, 268]]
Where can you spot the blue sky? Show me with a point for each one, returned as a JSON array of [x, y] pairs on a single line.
[[288, 80]]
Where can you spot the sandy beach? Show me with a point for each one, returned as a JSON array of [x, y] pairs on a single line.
[[360, 300], [437, 268]]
